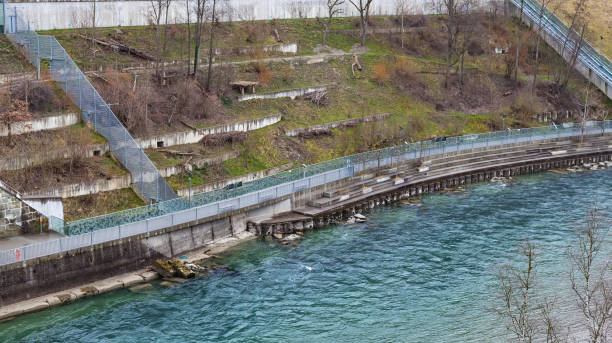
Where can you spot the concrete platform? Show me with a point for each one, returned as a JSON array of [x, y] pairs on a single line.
[[27, 239]]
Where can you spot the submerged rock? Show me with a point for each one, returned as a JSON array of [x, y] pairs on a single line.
[[167, 284], [140, 287]]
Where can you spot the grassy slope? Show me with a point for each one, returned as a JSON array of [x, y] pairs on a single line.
[[10, 59], [101, 203]]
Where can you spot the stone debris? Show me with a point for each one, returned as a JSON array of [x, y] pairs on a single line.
[[140, 287], [167, 284], [290, 238], [172, 268], [501, 179]]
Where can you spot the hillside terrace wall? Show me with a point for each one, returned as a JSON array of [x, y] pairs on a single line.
[[41, 124], [191, 137], [167, 140]]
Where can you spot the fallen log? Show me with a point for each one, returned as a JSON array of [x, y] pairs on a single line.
[[120, 47]]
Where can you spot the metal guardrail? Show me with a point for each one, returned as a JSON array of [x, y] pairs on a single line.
[[147, 219], [556, 29], [95, 110]]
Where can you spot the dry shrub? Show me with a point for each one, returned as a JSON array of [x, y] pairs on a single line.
[[130, 102], [255, 33], [264, 74], [224, 138], [40, 96], [380, 74], [525, 105], [192, 103]]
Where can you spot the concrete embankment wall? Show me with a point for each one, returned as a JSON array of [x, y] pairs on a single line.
[[39, 276], [292, 93], [41, 124]]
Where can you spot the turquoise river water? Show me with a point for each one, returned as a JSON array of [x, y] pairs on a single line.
[[411, 274]]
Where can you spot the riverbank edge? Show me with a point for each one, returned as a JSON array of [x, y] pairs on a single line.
[[126, 280]]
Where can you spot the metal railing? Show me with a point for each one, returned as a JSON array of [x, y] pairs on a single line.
[[146, 219], [74, 83]]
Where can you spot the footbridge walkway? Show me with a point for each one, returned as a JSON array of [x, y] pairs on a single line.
[[149, 219]]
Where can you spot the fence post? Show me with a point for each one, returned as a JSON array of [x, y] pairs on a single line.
[[79, 85], [64, 70], [38, 56]]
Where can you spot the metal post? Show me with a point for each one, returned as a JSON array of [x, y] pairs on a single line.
[[189, 189], [65, 78], [79, 85], [298, 164], [38, 57]]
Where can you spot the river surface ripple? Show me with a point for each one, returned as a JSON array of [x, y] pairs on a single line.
[[412, 274]]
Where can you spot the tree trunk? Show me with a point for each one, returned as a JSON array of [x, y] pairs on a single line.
[[364, 28], [188, 39], [165, 41], [210, 49], [518, 43]]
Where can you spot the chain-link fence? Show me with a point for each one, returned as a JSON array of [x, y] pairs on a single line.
[[151, 185]]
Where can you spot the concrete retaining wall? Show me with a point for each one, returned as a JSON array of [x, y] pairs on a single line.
[[37, 158], [85, 188], [47, 206], [7, 78], [292, 93], [41, 124], [190, 137]]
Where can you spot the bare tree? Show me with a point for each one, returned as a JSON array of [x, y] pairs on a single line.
[[159, 9], [333, 9], [188, 36], [363, 7], [517, 288], [16, 115], [573, 41], [199, 30], [455, 11], [401, 7], [543, 8], [518, 41], [210, 50], [589, 277]]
